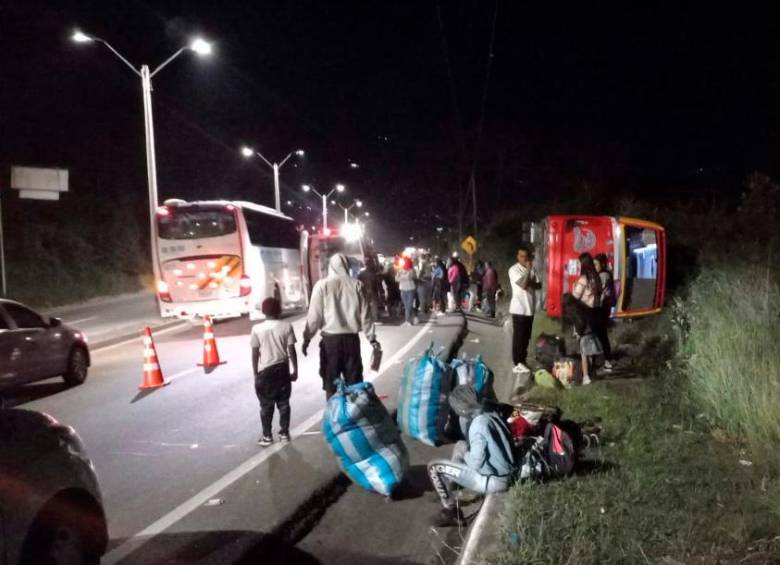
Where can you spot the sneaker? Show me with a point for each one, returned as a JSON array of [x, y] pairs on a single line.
[[586, 380], [608, 366], [440, 313], [521, 368], [449, 517], [265, 441], [284, 436]]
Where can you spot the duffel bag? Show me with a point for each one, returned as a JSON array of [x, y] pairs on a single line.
[[476, 373], [422, 398], [548, 348], [364, 438]]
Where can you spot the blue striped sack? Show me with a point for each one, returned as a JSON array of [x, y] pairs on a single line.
[[422, 399], [476, 373], [364, 438]]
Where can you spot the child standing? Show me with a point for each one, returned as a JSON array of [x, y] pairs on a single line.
[[273, 350]]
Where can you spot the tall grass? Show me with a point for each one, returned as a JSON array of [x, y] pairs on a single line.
[[734, 347]]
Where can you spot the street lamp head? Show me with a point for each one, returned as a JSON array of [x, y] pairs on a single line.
[[354, 165], [300, 153], [306, 188], [247, 151], [333, 202], [201, 46], [340, 187], [367, 214], [80, 37], [359, 203]]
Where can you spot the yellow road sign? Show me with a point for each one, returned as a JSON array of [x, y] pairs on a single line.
[[469, 245]]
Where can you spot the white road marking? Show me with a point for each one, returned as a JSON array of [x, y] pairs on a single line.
[[75, 322], [182, 373], [137, 339], [132, 543]]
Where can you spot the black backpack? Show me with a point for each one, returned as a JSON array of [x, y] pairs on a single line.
[[548, 349]]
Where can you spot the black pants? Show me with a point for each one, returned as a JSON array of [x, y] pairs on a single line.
[[521, 335], [600, 329], [490, 298], [273, 388], [457, 295], [340, 358]]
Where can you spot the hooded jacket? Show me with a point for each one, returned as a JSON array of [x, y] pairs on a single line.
[[338, 305], [490, 449]]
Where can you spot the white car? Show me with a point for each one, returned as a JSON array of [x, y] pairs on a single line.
[[51, 509]]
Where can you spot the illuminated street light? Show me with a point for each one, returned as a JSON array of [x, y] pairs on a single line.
[[324, 197], [198, 46], [249, 152], [355, 203]]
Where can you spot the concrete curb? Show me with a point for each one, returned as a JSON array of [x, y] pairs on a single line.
[[468, 553]]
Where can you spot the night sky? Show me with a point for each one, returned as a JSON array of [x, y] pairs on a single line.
[[394, 86]]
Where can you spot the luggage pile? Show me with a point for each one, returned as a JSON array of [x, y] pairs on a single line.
[[364, 438], [556, 368]]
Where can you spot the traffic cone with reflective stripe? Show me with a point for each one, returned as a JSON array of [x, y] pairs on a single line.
[[210, 353], [152, 376]]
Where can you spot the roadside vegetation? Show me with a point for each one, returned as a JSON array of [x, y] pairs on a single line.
[[688, 468], [73, 250]]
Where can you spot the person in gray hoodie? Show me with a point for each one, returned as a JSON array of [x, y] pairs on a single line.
[[339, 310], [483, 463]]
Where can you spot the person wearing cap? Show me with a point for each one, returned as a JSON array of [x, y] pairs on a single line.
[[338, 309], [273, 351], [483, 463]]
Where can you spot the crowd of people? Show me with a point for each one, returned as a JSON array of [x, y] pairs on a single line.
[[342, 306]]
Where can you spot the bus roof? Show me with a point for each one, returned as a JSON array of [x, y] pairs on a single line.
[[239, 203]]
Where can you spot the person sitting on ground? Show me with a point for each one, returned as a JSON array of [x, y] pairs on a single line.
[[482, 463], [605, 310], [587, 291], [338, 308], [273, 350]]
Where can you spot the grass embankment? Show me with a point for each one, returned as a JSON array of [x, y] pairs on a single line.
[[733, 347], [665, 483]]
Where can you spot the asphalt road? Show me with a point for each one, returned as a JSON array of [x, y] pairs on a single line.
[[181, 474]]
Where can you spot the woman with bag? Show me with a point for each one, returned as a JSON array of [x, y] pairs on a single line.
[[587, 292], [605, 309], [406, 278]]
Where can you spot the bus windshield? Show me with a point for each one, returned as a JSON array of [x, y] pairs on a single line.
[[196, 223]]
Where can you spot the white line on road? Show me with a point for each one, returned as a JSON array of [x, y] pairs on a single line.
[[182, 373], [74, 322], [137, 339], [201, 498]]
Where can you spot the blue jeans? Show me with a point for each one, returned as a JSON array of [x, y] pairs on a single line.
[[407, 297]]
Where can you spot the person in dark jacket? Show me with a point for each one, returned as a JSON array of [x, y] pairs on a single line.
[[490, 288], [370, 279]]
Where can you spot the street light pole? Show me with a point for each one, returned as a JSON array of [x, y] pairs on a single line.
[[249, 152], [324, 197], [200, 47], [151, 162]]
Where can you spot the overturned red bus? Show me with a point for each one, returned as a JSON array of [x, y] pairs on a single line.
[[635, 250]]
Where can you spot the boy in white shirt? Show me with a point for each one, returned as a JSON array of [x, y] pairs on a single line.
[[273, 350]]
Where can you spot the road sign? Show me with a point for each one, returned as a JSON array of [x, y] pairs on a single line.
[[469, 245], [38, 183]]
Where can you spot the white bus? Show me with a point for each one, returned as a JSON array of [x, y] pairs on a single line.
[[221, 258]]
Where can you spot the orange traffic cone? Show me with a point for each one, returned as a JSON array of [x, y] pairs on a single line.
[[210, 353], [152, 376]]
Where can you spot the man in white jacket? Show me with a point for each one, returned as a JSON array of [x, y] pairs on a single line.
[[339, 310]]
